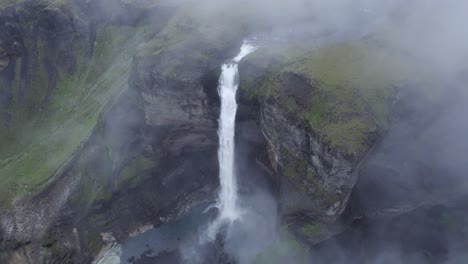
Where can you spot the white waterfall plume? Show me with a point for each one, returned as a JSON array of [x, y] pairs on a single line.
[[228, 83]]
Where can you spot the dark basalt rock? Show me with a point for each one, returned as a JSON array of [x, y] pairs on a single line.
[[397, 170], [314, 181]]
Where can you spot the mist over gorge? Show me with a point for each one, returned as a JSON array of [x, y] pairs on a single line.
[[348, 144]]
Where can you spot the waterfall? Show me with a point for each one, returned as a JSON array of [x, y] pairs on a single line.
[[227, 88]]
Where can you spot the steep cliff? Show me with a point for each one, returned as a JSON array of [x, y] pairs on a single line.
[[55, 55], [104, 157], [323, 110], [63, 64]]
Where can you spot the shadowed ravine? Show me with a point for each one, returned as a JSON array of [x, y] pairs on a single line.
[[229, 210]]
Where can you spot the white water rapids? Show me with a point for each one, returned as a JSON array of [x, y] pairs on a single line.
[[227, 89]]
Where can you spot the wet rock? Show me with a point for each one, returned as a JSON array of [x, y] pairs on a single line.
[[4, 63], [313, 177]]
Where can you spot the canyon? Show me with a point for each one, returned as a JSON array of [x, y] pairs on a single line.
[[110, 111]]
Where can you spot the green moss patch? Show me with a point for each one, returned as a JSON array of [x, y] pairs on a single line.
[[352, 86], [92, 240], [350, 135], [297, 171], [133, 169], [295, 168], [43, 137], [8, 3], [313, 230]]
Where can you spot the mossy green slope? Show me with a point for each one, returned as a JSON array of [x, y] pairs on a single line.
[[42, 137], [8, 3], [51, 3], [352, 84]]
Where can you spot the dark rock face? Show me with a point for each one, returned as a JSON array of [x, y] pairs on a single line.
[[34, 22], [127, 174], [172, 100], [400, 170], [314, 179], [11, 40]]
